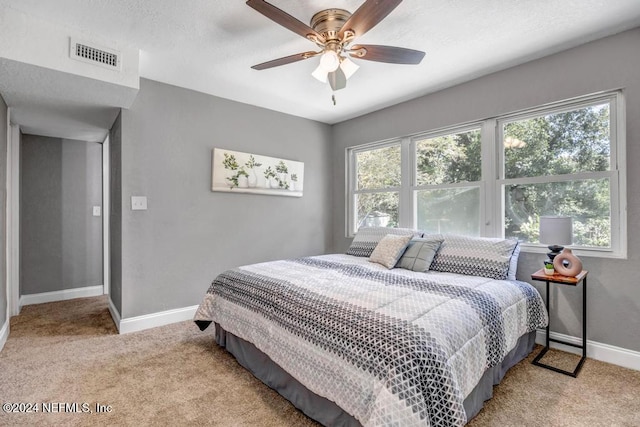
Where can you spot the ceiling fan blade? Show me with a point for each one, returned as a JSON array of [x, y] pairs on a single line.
[[337, 80], [283, 18], [286, 60], [368, 15], [390, 54]]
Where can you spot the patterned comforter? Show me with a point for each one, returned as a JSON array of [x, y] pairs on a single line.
[[390, 347]]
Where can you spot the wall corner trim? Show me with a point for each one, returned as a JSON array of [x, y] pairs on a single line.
[[4, 333], [115, 315], [63, 295], [595, 350], [162, 318]]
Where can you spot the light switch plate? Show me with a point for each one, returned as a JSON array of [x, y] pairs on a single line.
[[138, 203], [96, 211]]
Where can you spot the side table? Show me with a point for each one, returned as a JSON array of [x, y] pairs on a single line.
[[571, 281]]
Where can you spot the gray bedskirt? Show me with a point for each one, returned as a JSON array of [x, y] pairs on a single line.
[[327, 412]]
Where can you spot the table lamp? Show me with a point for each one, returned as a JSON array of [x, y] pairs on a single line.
[[556, 231]]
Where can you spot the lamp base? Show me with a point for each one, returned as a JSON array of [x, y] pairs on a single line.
[[555, 250]]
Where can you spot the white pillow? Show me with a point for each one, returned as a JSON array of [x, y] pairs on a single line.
[[389, 250]]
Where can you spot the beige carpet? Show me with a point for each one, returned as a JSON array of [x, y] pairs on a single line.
[[69, 352]]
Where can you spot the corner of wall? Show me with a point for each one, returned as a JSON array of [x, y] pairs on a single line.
[[4, 333], [5, 311], [115, 315]]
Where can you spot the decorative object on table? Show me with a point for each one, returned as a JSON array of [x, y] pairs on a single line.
[[556, 231], [567, 264], [548, 267], [559, 231], [237, 172]]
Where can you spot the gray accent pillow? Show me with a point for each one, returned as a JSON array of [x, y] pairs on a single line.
[[367, 238], [475, 256], [420, 253]]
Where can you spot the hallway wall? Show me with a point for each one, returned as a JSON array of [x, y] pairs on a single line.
[[60, 239], [3, 205]]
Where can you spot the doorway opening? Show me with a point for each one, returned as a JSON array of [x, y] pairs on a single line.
[[57, 219]]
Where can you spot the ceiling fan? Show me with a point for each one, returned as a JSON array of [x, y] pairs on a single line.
[[332, 30]]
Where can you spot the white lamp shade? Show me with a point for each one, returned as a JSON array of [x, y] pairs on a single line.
[[330, 61], [348, 67], [320, 74], [556, 230]]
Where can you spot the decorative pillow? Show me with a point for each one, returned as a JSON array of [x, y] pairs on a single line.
[[475, 256], [389, 250], [420, 253], [513, 264], [367, 238]]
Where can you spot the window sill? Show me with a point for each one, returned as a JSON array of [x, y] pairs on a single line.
[[590, 253]]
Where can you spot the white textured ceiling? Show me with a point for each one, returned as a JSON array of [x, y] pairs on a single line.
[[209, 46]]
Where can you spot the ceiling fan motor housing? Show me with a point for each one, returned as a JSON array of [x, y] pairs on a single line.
[[329, 22]]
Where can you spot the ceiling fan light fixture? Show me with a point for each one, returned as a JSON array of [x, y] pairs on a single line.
[[348, 67], [329, 61], [321, 74], [333, 30]]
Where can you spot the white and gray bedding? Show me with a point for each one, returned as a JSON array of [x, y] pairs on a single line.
[[387, 346]]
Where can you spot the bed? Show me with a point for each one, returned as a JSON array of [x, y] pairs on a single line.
[[354, 342]]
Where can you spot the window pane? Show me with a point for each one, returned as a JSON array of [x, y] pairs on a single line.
[[587, 201], [449, 159], [377, 209], [557, 144], [378, 168], [453, 210]]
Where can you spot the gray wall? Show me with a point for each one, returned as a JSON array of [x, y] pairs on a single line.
[[3, 210], [115, 218], [189, 234], [610, 63], [60, 239]]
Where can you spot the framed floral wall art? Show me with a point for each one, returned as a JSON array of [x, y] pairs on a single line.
[[237, 172]]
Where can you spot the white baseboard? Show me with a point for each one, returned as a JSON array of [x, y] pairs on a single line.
[[147, 321], [4, 333], [65, 294], [595, 350], [115, 314]]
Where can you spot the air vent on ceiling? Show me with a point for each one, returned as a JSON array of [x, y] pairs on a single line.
[[92, 54]]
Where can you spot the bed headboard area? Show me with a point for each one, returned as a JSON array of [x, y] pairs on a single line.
[[494, 258]]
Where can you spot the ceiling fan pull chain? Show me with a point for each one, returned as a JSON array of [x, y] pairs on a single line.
[[333, 99]]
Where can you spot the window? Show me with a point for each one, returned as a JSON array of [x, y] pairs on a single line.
[[377, 175], [559, 163], [448, 182], [497, 177]]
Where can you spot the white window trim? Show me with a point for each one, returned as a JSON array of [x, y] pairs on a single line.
[[492, 182]]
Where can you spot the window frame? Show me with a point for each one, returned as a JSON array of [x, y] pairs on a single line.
[[616, 173], [413, 171], [352, 181], [493, 183]]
